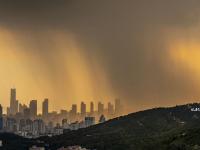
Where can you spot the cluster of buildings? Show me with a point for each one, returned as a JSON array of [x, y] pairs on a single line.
[[25, 121]]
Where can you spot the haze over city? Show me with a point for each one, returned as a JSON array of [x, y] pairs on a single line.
[[144, 52]]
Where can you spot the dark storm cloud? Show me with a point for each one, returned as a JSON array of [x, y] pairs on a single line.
[[126, 36]]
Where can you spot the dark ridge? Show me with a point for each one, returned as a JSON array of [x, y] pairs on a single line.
[[158, 129]]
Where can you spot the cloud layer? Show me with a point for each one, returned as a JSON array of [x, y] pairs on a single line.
[[76, 50]]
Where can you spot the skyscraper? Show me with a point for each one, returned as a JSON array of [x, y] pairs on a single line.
[[118, 107], [100, 108], [74, 109], [83, 108], [45, 107], [13, 102], [33, 108], [16, 107], [22, 107], [110, 109], [8, 111], [91, 107]]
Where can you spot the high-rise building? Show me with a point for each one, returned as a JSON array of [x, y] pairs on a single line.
[[16, 106], [83, 108], [8, 111], [110, 109], [118, 107], [45, 107], [91, 107], [63, 112], [22, 107], [74, 109], [33, 108], [12, 99], [100, 108], [13, 102]]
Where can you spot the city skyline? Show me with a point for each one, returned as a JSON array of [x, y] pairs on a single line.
[[26, 102], [26, 121], [18, 107]]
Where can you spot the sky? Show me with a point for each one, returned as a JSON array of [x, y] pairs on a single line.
[[147, 53]]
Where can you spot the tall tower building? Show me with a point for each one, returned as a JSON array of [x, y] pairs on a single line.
[[110, 109], [74, 109], [16, 106], [91, 107], [83, 108], [21, 110], [45, 107], [100, 108], [118, 107], [22, 107], [13, 102], [8, 111], [33, 108]]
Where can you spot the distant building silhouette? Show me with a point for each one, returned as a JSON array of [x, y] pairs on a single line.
[[33, 108], [21, 110], [45, 108], [100, 108], [74, 109], [8, 111], [13, 102], [22, 107], [91, 107], [110, 109], [83, 108], [118, 107]]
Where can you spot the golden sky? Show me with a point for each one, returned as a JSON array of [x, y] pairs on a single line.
[[146, 53], [68, 78]]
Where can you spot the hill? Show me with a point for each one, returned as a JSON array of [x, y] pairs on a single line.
[[158, 129], [140, 130]]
